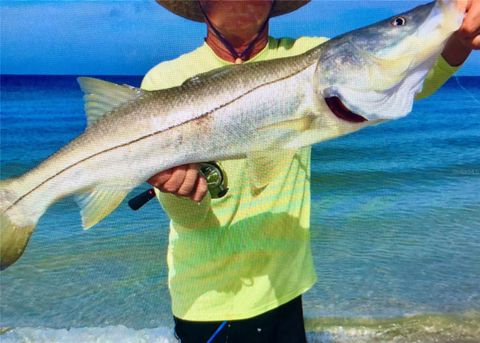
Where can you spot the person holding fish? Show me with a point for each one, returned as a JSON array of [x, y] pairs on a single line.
[[239, 260], [239, 264]]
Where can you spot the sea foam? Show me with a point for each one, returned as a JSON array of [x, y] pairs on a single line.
[[108, 334], [419, 328]]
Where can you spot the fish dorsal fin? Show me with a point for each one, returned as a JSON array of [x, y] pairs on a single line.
[[98, 204], [102, 96]]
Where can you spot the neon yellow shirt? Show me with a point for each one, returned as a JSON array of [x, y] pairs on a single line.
[[249, 252]]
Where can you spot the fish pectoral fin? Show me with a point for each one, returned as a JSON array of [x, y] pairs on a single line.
[[288, 134], [265, 165], [276, 136], [321, 129], [295, 125], [313, 136], [99, 203], [102, 96]]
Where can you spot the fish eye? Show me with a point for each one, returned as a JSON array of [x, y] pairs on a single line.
[[399, 21]]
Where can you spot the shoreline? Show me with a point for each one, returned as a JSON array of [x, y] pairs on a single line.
[[441, 328]]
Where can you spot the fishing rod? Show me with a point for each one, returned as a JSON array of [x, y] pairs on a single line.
[[216, 182]]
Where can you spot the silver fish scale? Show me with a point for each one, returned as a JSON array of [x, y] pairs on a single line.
[[228, 83], [206, 93]]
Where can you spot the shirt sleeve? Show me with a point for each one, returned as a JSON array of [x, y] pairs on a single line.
[[436, 78]]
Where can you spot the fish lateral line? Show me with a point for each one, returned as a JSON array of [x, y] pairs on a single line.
[[156, 133]]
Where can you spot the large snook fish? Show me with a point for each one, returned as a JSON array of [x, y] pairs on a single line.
[[355, 80]]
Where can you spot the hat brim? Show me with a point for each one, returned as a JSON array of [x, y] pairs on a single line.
[[190, 9]]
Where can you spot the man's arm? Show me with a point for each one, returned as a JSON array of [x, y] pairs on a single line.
[[466, 39], [183, 180], [174, 186], [456, 51]]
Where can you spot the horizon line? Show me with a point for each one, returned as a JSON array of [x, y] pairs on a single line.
[[141, 75]]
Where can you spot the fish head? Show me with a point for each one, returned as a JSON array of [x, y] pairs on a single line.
[[375, 72]]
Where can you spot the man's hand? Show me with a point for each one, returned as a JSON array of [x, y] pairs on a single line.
[[469, 32], [467, 38], [183, 181]]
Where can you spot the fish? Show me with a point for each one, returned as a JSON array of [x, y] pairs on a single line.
[[355, 80]]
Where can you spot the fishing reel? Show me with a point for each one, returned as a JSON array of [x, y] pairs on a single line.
[[217, 184]]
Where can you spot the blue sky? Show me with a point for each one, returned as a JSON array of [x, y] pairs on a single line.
[[129, 37]]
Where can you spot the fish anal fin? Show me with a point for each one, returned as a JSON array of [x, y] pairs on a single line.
[[99, 203], [102, 96]]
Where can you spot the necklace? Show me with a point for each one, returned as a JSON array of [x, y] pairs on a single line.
[[239, 57]]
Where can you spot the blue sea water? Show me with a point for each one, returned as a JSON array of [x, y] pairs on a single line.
[[395, 231]]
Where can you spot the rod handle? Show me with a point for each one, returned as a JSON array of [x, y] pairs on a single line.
[[138, 201]]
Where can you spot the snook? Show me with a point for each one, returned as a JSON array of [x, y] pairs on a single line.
[[357, 79]]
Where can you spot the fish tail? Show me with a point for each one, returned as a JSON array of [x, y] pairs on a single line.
[[17, 222]]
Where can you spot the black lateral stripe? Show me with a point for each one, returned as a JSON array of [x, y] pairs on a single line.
[[156, 133]]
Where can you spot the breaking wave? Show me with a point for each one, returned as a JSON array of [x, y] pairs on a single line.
[[420, 328]]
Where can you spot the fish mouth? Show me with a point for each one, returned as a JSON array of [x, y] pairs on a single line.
[[341, 111]]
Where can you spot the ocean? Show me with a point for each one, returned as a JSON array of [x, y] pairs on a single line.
[[395, 231]]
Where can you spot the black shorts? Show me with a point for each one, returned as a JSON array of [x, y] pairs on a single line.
[[282, 324]]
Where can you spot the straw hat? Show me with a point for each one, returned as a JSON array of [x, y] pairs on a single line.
[[190, 9]]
